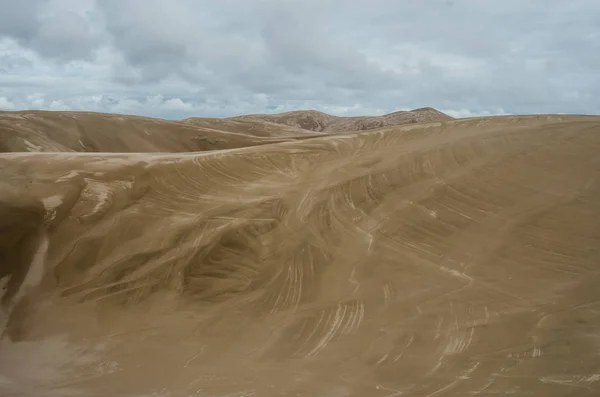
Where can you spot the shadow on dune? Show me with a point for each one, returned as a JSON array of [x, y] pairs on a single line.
[[21, 228]]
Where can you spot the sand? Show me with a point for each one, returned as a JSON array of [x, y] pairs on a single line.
[[318, 121], [44, 131], [451, 258]]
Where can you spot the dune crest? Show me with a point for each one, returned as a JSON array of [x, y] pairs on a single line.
[[47, 131]]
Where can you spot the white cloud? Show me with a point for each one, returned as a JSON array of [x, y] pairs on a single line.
[[36, 100], [463, 113], [59, 105], [177, 104], [5, 104]]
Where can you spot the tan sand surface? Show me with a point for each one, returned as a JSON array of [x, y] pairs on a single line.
[[444, 259]]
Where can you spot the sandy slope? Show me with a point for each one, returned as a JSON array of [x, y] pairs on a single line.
[[444, 259], [42, 131], [251, 127]]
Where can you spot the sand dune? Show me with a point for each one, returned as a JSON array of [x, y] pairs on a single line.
[[455, 258], [42, 131], [260, 128], [317, 121]]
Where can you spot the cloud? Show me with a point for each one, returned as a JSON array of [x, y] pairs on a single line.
[[60, 29], [186, 58], [464, 113], [5, 104]]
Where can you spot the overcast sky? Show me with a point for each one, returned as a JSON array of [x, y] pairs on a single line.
[[217, 58]]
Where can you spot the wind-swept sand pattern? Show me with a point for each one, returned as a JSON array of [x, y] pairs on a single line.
[[454, 258]]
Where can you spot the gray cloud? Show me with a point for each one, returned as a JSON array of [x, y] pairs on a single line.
[[19, 19], [181, 58], [55, 29]]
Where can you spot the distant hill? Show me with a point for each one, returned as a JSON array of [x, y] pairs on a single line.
[[47, 131], [321, 122], [50, 131]]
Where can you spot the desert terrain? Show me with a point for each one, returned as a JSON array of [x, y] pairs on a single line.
[[43, 131], [259, 256], [317, 121]]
